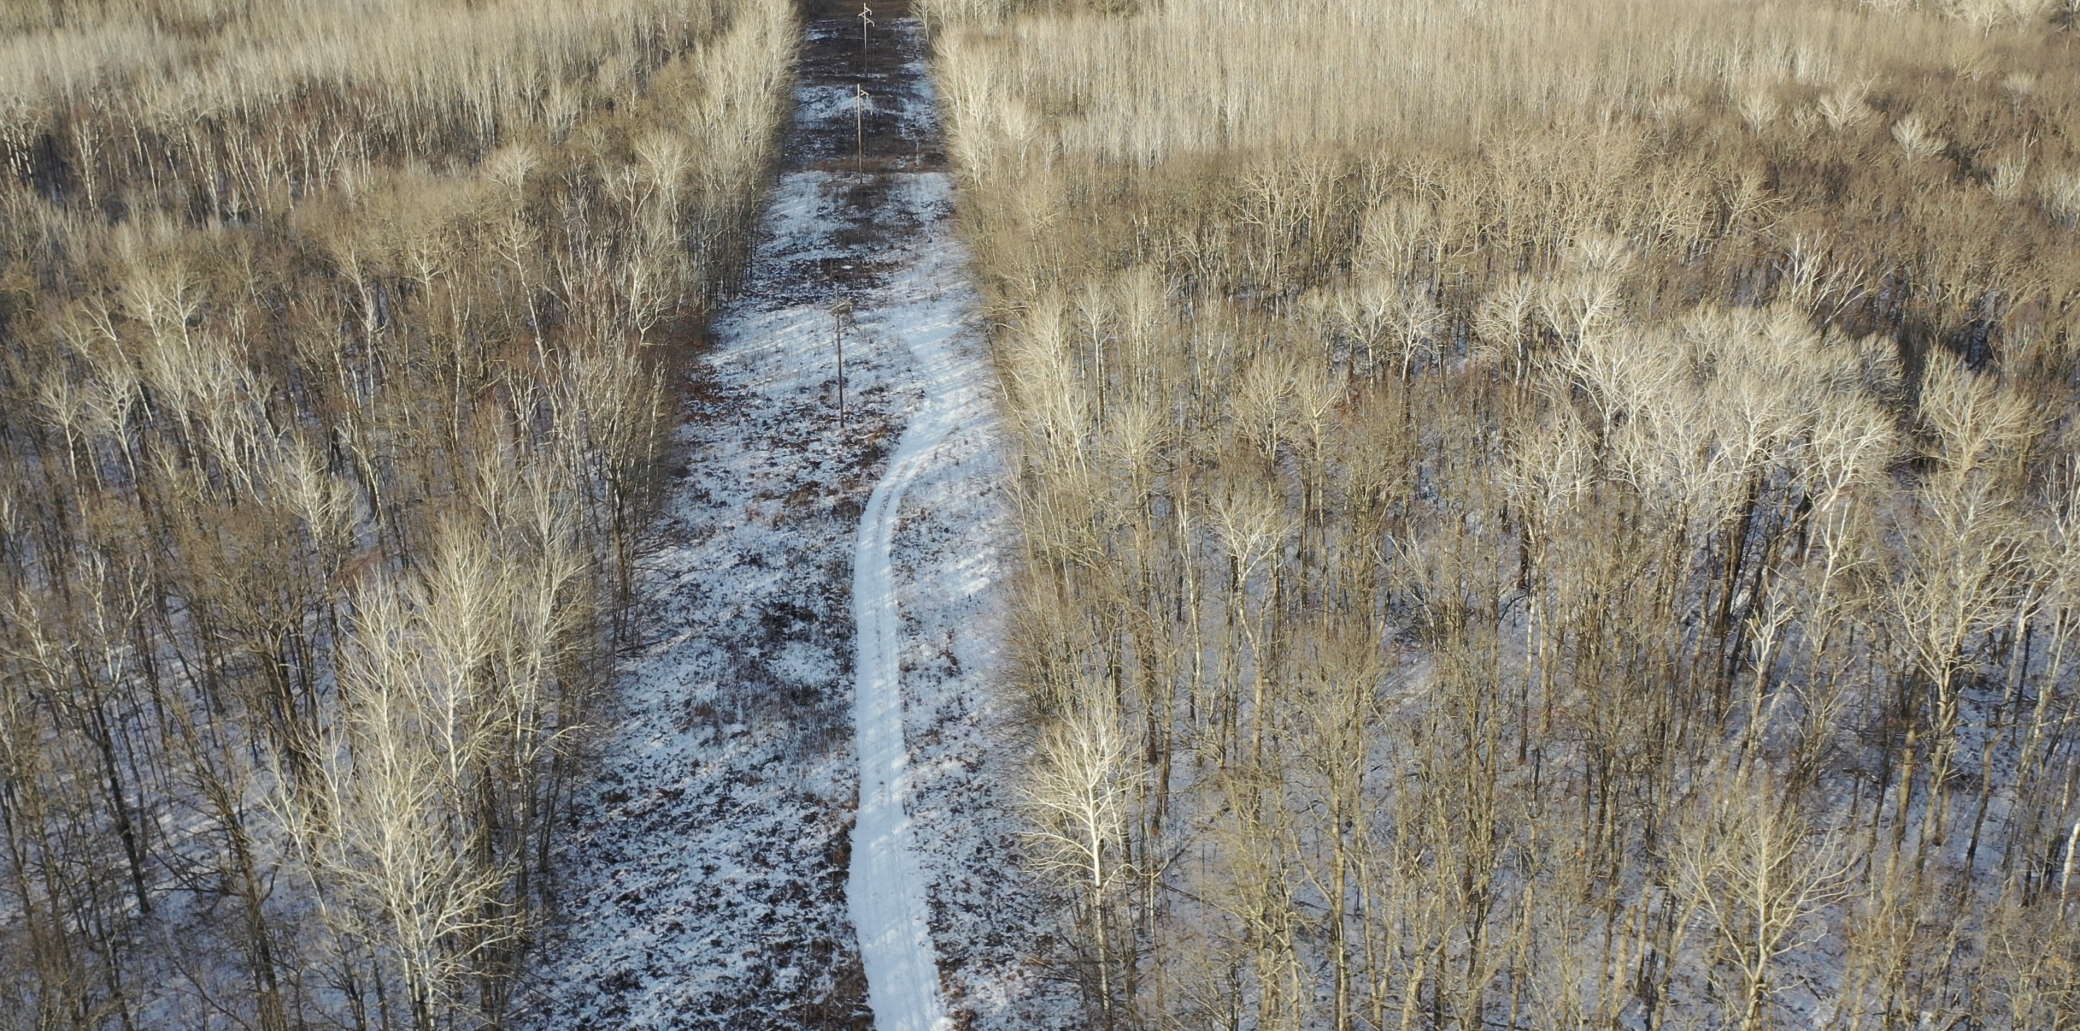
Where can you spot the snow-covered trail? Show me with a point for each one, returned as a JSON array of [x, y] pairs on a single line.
[[946, 920], [797, 815], [887, 884]]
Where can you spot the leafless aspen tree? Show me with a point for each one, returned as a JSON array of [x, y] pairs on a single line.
[[1079, 795]]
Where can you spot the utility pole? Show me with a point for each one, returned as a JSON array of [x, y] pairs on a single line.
[[841, 311], [865, 19], [860, 99]]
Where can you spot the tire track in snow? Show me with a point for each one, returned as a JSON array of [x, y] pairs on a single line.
[[887, 885], [924, 300]]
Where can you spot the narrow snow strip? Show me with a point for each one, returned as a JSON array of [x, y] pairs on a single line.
[[887, 882]]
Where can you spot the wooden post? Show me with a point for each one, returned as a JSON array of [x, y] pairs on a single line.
[[859, 130], [839, 313]]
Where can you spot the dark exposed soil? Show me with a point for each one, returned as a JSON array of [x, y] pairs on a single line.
[[890, 67]]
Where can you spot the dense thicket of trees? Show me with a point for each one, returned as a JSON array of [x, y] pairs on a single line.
[[331, 397], [1542, 514]]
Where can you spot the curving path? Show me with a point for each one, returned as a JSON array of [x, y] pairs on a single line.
[[802, 786], [914, 299], [887, 884]]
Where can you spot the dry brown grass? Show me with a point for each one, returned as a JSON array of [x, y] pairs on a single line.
[[1539, 480]]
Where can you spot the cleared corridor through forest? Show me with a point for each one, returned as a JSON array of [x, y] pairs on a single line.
[[719, 873]]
